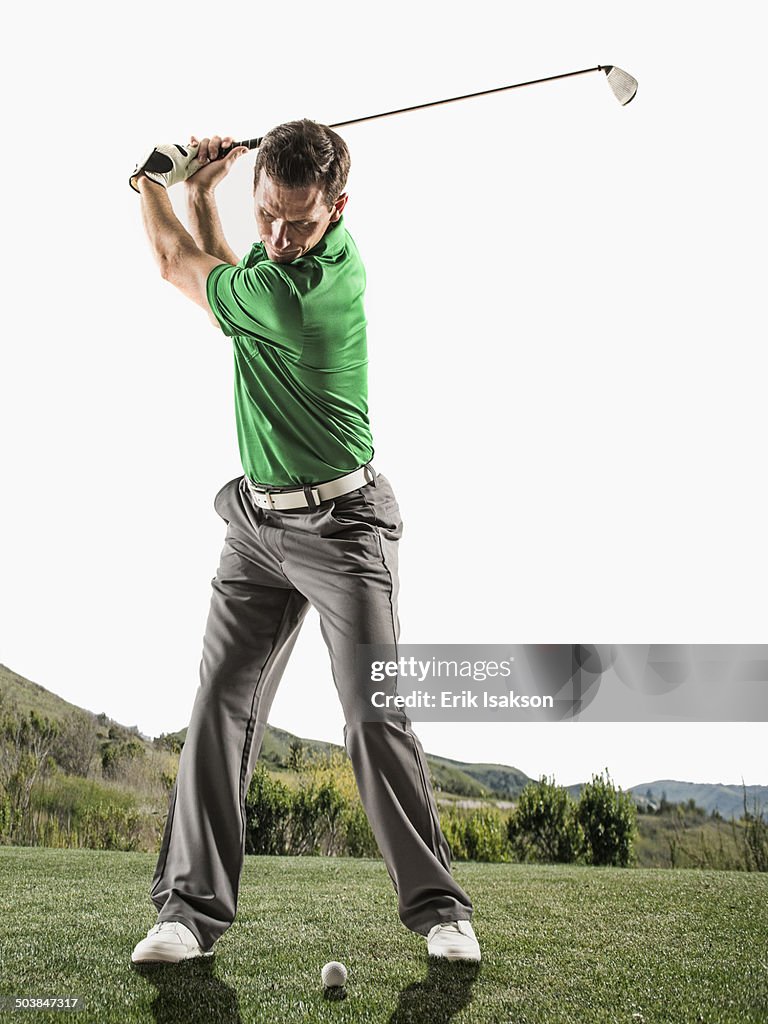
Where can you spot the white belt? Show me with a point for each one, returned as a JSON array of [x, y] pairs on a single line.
[[297, 497]]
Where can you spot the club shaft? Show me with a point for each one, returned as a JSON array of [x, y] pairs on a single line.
[[254, 143], [466, 96]]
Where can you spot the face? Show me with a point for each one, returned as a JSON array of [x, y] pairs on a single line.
[[292, 221]]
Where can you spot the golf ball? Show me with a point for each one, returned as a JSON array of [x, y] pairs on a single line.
[[334, 974]]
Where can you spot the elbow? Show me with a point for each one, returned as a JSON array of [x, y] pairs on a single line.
[[169, 264], [172, 263]]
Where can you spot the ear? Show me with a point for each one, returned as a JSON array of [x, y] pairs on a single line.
[[338, 206]]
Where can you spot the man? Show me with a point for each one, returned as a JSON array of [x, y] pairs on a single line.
[[309, 522]]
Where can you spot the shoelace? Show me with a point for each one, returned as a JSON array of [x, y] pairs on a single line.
[[448, 926], [168, 925]]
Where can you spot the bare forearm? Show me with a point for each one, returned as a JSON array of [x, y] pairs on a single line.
[[180, 260], [168, 237], [205, 224]]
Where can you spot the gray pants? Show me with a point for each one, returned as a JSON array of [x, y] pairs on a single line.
[[340, 557]]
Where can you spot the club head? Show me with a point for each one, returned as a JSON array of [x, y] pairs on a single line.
[[624, 85]]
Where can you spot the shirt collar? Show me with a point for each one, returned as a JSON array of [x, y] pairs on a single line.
[[332, 241], [331, 244]]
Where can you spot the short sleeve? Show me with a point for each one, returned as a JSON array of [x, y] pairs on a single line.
[[256, 302]]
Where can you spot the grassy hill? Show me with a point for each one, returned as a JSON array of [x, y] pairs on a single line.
[[456, 778], [490, 780], [453, 780], [276, 746], [29, 696]]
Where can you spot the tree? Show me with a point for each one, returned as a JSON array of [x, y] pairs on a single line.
[[608, 819], [542, 826]]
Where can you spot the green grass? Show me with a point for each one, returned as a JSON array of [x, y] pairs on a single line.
[[560, 944]]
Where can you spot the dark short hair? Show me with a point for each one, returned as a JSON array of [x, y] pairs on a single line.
[[303, 153]]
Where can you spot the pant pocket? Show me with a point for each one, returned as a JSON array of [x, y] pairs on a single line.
[[358, 510]]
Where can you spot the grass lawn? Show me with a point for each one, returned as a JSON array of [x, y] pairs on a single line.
[[560, 944]]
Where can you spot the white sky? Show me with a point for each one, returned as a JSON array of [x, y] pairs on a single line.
[[565, 303]]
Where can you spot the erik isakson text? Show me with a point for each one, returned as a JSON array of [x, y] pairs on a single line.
[[462, 699]]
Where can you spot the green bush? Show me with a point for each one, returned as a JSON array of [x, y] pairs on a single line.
[[321, 815], [304, 823], [608, 819], [453, 826], [359, 840], [117, 754], [479, 834], [268, 810], [317, 814], [486, 836], [542, 827]]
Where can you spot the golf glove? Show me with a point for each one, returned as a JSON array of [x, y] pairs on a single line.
[[168, 164]]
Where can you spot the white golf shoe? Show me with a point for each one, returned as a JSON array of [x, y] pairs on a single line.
[[455, 940], [168, 942]]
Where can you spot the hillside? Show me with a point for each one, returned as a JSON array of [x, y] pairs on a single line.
[[29, 696], [727, 800], [490, 781], [276, 746], [497, 780], [458, 778]]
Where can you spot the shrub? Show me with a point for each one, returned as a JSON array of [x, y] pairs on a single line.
[[320, 815], [608, 819], [117, 754], [542, 826], [359, 840], [268, 811], [77, 743], [486, 836], [479, 834]]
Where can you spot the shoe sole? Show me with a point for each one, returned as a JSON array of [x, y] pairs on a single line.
[[161, 956], [456, 956]]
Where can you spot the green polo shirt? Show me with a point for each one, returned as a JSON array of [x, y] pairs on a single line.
[[301, 360]]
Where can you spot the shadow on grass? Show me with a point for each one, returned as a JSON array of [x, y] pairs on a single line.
[[190, 992], [446, 989]]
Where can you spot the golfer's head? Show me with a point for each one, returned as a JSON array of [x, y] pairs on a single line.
[[298, 187]]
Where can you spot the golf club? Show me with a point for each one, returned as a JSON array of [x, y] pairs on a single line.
[[622, 84]]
